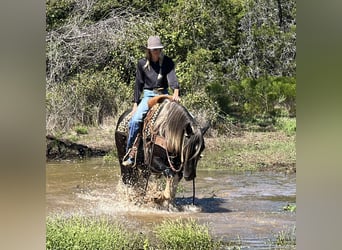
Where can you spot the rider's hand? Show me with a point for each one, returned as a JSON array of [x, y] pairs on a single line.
[[175, 96]]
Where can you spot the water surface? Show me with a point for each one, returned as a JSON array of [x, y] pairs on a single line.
[[248, 206]]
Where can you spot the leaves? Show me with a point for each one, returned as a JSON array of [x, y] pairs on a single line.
[[236, 57]]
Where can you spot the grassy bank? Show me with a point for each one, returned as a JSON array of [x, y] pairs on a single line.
[[88, 233], [102, 233], [244, 150], [251, 151]]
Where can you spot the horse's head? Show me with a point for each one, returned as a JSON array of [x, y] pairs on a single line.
[[193, 145], [184, 136]]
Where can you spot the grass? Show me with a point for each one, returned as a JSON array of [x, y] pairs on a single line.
[[287, 125], [84, 233], [100, 233], [81, 130], [290, 207], [251, 151], [286, 238], [185, 235]]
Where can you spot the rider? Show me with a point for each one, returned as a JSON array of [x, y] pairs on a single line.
[[154, 74]]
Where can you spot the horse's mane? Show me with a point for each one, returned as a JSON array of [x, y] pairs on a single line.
[[173, 121]]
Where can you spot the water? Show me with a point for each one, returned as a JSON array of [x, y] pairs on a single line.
[[246, 206]]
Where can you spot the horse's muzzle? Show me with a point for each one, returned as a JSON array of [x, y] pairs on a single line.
[[189, 177]]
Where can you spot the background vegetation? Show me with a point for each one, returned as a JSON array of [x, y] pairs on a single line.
[[235, 59]]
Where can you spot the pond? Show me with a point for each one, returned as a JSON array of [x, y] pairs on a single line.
[[236, 205]]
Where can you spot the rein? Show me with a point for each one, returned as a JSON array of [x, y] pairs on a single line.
[[161, 141]]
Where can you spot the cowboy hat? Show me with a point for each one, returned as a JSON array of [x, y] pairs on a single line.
[[153, 42]]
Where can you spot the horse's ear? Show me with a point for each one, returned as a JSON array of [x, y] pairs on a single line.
[[205, 128]]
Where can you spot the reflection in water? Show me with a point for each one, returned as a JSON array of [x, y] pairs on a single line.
[[244, 205]]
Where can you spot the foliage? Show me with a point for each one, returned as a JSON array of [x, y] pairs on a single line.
[[268, 40], [234, 59], [288, 125], [80, 45], [81, 130], [264, 97], [57, 12], [184, 235], [86, 99], [82, 233], [286, 238], [111, 157], [290, 207]]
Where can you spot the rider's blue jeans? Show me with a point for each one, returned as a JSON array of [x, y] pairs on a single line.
[[137, 118]]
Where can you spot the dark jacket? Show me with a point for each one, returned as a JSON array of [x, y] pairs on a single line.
[[148, 78]]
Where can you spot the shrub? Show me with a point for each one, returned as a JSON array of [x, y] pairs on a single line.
[[286, 124], [81, 130], [265, 97], [57, 12], [86, 99]]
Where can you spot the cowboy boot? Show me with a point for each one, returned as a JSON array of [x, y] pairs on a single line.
[[130, 157], [132, 153]]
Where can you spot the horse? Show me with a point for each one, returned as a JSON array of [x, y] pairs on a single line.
[[170, 143]]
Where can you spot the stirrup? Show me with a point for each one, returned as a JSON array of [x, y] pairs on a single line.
[[128, 163], [130, 158]]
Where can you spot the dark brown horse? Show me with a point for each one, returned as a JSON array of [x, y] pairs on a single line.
[[170, 143]]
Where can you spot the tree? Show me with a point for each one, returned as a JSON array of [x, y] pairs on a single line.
[[268, 40]]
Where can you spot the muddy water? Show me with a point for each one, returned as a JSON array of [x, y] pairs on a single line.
[[246, 206]]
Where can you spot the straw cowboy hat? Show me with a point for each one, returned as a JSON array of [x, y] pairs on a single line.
[[153, 42]]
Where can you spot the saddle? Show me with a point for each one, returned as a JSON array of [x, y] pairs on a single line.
[[158, 99], [155, 107], [147, 141]]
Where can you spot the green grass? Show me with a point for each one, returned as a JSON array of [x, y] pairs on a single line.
[[286, 238], [111, 157], [100, 233], [286, 124], [81, 130], [84, 233], [290, 207], [185, 235], [252, 151]]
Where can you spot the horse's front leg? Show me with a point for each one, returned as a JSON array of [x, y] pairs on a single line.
[[168, 188], [171, 187], [174, 186]]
